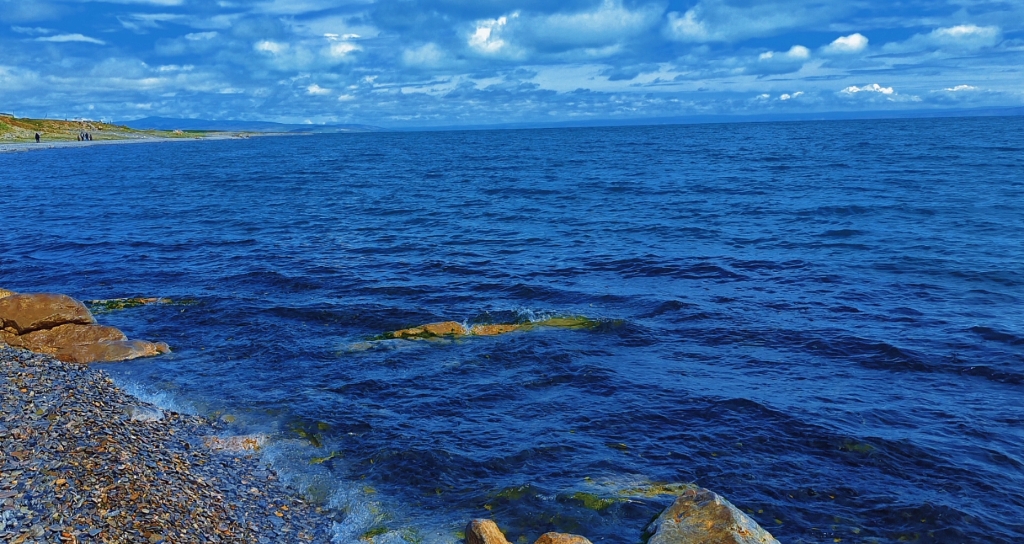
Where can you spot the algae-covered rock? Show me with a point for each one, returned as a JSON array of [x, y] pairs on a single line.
[[700, 516], [111, 351], [484, 531], [492, 330], [430, 330], [25, 313], [64, 337], [111, 304], [561, 538]]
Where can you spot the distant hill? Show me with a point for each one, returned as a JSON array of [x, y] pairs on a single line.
[[166, 123]]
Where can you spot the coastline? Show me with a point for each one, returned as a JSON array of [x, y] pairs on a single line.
[[18, 147], [79, 464]]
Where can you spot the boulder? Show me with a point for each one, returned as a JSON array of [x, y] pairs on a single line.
[[32, 312], [64, 337], [109, 351], [6, 293], [492, 330], [561, 538], [700, 516], [484, 531]]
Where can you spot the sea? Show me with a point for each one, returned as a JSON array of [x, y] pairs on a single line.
[[823, 322]]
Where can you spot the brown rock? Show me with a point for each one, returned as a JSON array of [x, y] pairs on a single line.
[[444, 328], [109, 351], [492, 330], [32, 312], [65, 336], [484, 531], [6, 293], [561, 538], [700, 516]]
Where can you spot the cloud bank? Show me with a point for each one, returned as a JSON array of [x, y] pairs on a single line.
[[442, 62]]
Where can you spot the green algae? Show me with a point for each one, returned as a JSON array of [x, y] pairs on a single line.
[[322, 460], [376, 531], [115, 304], [857, 447], [657, 489], [592, 501]]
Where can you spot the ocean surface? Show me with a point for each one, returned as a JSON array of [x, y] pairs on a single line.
[[821, 321]]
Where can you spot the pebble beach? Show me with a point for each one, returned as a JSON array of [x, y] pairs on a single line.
[[83, 461]]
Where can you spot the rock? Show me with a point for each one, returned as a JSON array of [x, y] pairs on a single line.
[[144, 413], [111, 351], [64, 337], [492, 330], [32, 312], [561, 538], [6, 293], [700, 516], [444, 328], [484, 531]]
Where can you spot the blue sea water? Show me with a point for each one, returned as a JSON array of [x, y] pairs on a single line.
[[821, 321]]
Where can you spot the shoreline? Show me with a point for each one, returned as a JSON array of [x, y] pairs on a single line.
[[20, 147], [81, 460]]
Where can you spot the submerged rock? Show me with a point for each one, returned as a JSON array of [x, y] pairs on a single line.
[[484, 531], [64, 337], [111, 351], [700, 516], [25, 313], [561, 538]]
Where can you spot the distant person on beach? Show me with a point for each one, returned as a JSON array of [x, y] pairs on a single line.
[[37, 137]]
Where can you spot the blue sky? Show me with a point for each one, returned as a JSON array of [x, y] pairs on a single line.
[[402, 63]]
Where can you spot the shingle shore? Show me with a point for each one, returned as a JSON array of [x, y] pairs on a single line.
[[75, 467]]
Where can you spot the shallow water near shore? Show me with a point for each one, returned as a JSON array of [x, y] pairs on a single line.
[[823, 322]]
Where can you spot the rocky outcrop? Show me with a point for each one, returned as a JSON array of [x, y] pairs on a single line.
[[484, 531], [700, 516], [456, 329], [430, 330], [64, 337], [561, 538], [110, 351], [492, 330], [25, 313], [62, 326]]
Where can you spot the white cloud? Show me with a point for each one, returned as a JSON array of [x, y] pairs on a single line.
[[607, 24], [797, 52], [33, 30], [487, 36], [63, 38], [426, 55], [854, 43], [339, 50], [346, 98], [317, 90], [954, 38], [715, 21], [961, 88], [873, 88], [787, 96], [267, 46], [200, 36]]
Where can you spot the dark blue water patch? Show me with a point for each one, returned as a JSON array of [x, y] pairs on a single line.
[[823, 329]]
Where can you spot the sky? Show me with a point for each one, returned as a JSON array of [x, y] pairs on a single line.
[[403, 63]]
